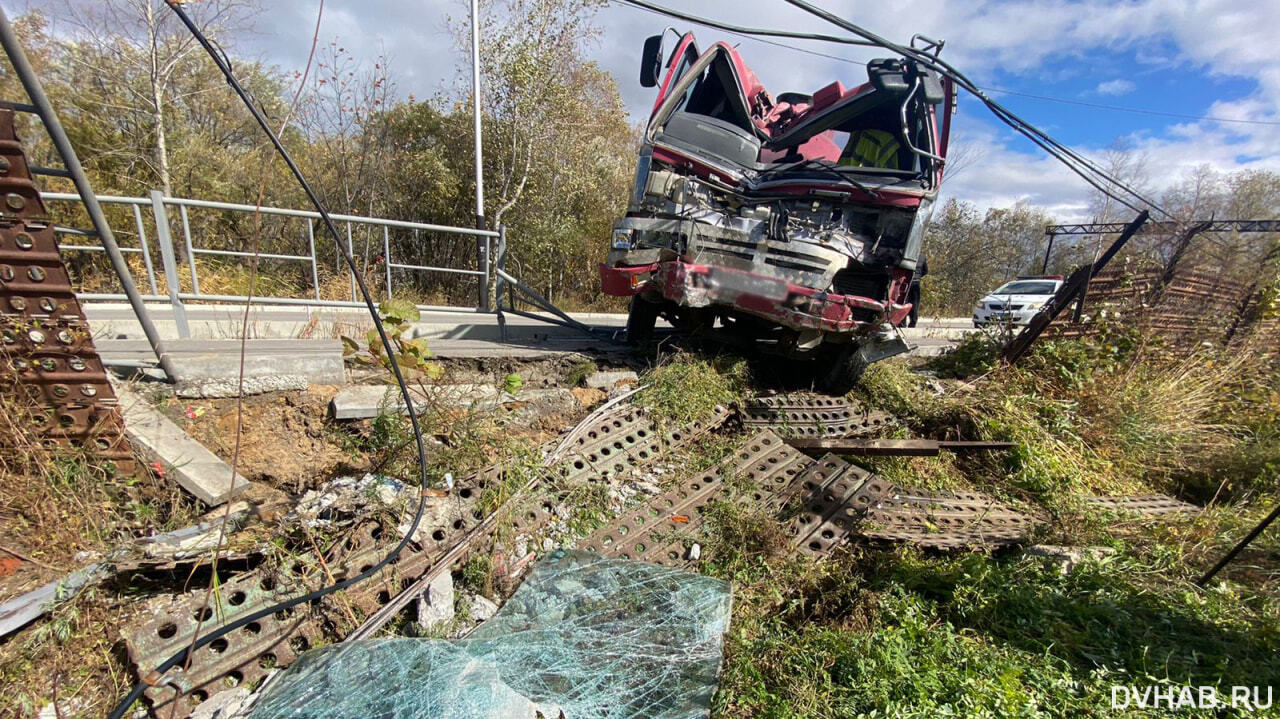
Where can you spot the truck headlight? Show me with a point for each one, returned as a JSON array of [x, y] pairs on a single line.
[[622, 239]]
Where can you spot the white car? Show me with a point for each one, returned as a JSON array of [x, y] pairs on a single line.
[[1015, 303]]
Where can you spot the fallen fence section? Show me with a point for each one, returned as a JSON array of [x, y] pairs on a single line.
[[615, 445], [1149, 506], [803, 414], [893, 447], [827, 500]]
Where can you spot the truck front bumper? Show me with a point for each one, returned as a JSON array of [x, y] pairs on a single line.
[[773, 299]]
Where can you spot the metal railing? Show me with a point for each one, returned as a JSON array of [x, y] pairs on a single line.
[[159, 207]]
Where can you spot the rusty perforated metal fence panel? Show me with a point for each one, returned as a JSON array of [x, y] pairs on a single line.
[[48, 351]]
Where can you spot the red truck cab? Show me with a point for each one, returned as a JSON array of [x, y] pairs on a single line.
[[794, 222]]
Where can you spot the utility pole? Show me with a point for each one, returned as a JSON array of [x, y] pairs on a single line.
[[482, 243]]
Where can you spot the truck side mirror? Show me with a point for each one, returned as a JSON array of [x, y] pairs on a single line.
[[651, 61]]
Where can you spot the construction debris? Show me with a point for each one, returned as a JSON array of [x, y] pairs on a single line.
[[19, 611], [803, 414], [435, 606], [609, 380], [891, 447], [581, 637]]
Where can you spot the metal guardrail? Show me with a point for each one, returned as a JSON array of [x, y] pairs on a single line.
[[160, 205]]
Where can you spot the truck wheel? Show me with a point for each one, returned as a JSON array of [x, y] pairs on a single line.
[[641, 319], [845, 372]]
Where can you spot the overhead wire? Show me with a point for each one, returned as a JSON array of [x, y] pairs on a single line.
[[224, 66]]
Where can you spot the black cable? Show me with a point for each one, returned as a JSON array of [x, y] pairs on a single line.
[[1036, 135], [225, 67]]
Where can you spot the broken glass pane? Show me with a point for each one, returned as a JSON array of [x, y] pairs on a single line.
[[583, 637]]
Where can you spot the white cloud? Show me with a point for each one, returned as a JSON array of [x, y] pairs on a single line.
[[1116, 87]]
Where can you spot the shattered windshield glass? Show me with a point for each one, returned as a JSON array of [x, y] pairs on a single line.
[[582, 637]]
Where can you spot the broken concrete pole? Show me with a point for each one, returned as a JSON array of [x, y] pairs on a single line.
[[232, 387], [609, 380], [193, 467], [435, 605]]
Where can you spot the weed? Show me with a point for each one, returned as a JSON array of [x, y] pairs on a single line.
[[976, 354], [578, 373], [512, 383], [686, 388]]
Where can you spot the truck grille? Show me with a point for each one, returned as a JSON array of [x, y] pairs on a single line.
[[859, 281], [798, 262]]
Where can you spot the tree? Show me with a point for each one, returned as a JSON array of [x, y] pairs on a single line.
[[130, 55]]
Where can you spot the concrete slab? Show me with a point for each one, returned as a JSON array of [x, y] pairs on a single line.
[[194, 468], [364, 401], [197, 361], [609, 380]]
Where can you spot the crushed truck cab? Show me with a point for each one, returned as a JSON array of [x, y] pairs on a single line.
[[795, 222]]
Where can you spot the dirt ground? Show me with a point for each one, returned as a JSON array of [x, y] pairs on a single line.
[[284, 439]]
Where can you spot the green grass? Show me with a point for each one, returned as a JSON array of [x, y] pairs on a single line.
[[878, 632], [687, 388], [896, 633]]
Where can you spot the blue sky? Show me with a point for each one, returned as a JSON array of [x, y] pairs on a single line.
[[1201, 58]]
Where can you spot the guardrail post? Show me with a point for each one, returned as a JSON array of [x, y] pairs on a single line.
[[165, 240], [146, 251], [482, 255], [386, 256], [191, 255]]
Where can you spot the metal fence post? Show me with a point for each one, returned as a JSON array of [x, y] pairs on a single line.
[[191, 255], [311, 245], [483, 248], [386, 256], [500, 285], [165, 240], [351, 250], [146, 252]]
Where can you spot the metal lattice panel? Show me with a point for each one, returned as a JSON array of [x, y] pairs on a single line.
[[945, 520], [249, 653], [812, 415], [614, 446], [660, 530], [620, 443], [45, 341], [831, 509], [1151, 505]]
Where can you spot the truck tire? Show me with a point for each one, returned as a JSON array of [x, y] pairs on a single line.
[[845, 372], [642, 317]]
